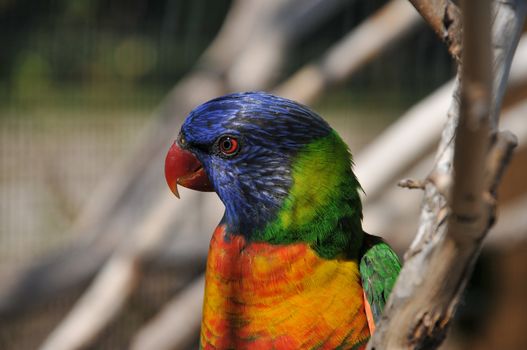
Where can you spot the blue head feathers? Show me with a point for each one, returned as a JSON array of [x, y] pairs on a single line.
[[254, 179]]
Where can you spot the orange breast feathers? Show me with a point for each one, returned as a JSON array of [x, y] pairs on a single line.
[[263, 296]]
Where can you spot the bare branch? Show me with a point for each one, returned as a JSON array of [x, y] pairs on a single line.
[[97, 307], [372, 37], [392, 214], [183, 314], [441, 257], [468, 218], [108, 294], [412, 184], [279, 27]]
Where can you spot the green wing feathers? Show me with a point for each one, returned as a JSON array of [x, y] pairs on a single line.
[[379, 268]]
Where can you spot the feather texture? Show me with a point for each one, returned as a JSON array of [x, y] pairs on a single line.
[[264, 296], [379, 268]]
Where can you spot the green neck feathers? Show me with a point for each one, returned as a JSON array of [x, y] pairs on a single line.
[[323, 207]]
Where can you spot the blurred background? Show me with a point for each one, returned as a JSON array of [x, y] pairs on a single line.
[[95, 253]]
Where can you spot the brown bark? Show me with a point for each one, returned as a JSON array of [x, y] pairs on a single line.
[[459, 203], [444, 17]]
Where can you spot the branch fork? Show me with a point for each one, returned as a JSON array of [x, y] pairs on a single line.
[[459, 206]]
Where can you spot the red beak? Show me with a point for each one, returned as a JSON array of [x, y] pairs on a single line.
[[182, 167]]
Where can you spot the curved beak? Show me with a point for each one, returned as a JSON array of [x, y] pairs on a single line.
[[183, 168]]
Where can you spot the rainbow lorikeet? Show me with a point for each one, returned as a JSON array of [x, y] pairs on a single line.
[[289, 265]]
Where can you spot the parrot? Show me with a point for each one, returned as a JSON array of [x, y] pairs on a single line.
[[289, 265]]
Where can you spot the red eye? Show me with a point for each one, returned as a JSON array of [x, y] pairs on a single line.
[[228, 145]]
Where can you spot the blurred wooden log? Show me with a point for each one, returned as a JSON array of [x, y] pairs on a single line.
[[259, 64], [375, 35], [243, 18], [107, 295], [177, 325], [97, 307], [441, 257], [402, 144]]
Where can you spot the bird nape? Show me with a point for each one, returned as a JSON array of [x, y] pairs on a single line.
[[289, 265]]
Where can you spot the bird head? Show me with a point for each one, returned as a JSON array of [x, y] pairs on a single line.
[[260, 153]]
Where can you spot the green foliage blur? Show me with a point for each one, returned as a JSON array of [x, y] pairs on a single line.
[[110, 53], [100, 50]]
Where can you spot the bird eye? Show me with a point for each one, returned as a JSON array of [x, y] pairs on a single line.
[[228, 145], [181, 140]]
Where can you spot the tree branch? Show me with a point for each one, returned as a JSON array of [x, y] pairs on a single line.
[[468, 218], [373, 36], [392, 215], [183, 314], [449, 238]]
